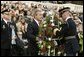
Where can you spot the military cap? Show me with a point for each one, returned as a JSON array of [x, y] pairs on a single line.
[[64, 9], [4, 11]]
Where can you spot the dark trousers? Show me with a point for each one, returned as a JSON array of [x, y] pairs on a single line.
[[71, 47], [17, 50], [33, 50], [14, 50], [5, 52]]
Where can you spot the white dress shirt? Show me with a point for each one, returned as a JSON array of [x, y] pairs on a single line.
[[36, 21], [5, 21], [13, 35], [68, 18]]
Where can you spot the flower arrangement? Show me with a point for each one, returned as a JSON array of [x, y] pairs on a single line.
[[45, 42], [81, 41]]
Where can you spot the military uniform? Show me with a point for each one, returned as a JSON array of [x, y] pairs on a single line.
[[69, 32], [5, 38], [6, 34]]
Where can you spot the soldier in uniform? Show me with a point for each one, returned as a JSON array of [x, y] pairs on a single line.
[[8, 34], [68, 32], [5, 34]]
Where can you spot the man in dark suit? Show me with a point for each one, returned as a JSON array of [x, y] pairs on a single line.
[[69, 32], [5, 34], [32, 32]]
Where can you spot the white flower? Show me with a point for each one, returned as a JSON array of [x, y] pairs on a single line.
[[49, 39], [64, 54], [49, 46], [41, 46], [45, 25], [44, 22], [51, 20], [52, 50], [40, 42], [59, 53], [42, 53], [53, 24], [55, 42]]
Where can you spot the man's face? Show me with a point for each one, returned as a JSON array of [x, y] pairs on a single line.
[[65, 15], [39, 16], [6, 16]]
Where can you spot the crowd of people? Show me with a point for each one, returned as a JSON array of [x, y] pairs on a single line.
[[20, 25]]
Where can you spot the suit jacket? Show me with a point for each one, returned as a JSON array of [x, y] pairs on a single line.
[[5, 35], [32, 32]]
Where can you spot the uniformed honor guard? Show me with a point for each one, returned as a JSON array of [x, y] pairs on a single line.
[[5, 34], [68, 32]]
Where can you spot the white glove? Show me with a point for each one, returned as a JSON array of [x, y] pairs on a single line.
[[55, 30]]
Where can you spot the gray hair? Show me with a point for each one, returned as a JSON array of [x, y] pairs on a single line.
[[34, 12]]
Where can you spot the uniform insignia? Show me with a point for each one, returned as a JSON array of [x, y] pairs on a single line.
[[3, 27], [11, 26]]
